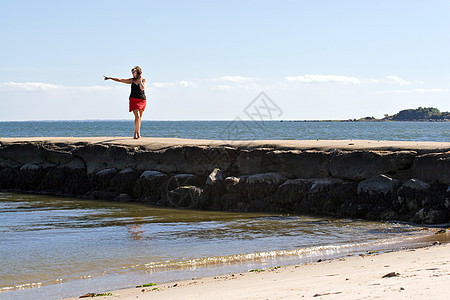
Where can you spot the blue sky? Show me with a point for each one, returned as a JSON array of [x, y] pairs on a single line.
[[206, 60]]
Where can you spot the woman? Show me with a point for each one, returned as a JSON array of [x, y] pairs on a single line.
[[137, 97]]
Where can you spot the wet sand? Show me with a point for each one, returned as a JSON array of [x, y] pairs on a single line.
[[422, 273]]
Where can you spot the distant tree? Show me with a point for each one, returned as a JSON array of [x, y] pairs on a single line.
[[421, 113]]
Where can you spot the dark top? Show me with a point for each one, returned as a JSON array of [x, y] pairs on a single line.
[[136, 91]]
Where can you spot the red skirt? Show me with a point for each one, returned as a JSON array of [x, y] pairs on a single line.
[[136, 103]]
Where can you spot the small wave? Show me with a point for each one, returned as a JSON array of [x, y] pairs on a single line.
[[328, 250]]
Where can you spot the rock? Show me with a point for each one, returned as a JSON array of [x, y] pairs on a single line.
[[360, 165], [328, 196], [213, 190], [416, 185], [412, 196], [317, 196], [106, 172], [296, 163], [391, 274], [88, 295], [447, 198], [123, 182], [150, 173], [232, 179], [432, 167], [184, 196], [8, 178], [100, 156], [291, 193], [95, 157], [227, 202], [259, 186], [318, 185], [268, 178], [123, 197], [215, 176], [58, 155], [22, 153], [127, 171], [144, 160], [52, 180], [182, 180], [380, 184], [250, 161], [374, 196], [431, 216], [74, 164], [447, 203], [29, 167], [231, 184], [388, 215], [101, 180], [169, 160], [201, 159], [47, 165], [150, 186], [8, 163], [76, 180]]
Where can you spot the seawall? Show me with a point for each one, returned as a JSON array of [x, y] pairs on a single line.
[[376, 180]]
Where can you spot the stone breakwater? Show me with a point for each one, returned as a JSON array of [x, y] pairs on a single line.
[[376, 180]]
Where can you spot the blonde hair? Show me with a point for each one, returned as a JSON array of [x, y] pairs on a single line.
[[138, 70]]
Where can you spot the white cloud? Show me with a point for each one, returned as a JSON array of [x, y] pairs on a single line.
[[175, 84], [236, 79], [227, 87], [94, 88], [223, 87], [420, 91], [398, 80], [47, 87], [29, 86], [323, 79]]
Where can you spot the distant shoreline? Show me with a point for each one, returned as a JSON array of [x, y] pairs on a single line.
[[370, 120]]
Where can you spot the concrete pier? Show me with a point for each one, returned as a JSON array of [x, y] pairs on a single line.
[[378, 180]]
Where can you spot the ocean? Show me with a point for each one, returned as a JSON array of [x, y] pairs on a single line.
[[236, 130]]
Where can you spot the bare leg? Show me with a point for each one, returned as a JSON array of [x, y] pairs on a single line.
[[141, 112], [137, 123]]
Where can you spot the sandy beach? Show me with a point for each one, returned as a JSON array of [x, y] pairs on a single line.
[[422, 273]]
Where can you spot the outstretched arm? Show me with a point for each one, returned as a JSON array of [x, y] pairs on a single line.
[[128, 80]]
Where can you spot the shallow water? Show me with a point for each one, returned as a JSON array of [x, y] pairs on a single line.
[[236, 130], [52, 247]]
